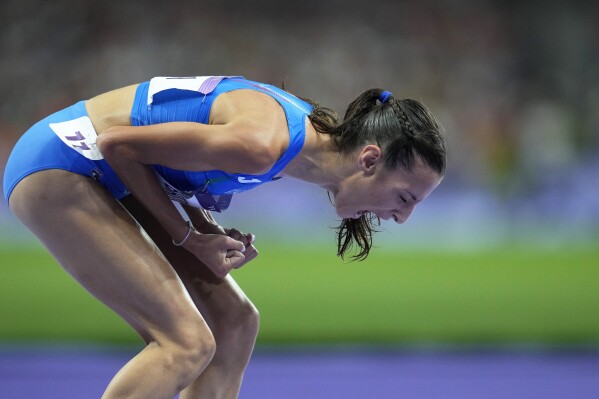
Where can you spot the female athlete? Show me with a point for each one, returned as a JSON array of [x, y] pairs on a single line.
[[105, 182]]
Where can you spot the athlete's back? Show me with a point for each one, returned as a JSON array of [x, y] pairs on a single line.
[[112, 108]]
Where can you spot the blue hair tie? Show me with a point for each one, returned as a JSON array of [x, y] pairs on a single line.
[[384, 97]]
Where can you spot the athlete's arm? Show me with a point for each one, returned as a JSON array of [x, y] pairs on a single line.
[[130, 150], [242, 146], [203, 220]]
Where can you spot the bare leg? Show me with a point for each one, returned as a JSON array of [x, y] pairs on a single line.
[[234, 321], [232, 318], [105, 250]]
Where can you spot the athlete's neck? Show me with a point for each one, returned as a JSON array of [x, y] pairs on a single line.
[[318, 162]]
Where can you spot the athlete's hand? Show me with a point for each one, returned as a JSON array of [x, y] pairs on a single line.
[[219, 252], [250, 252]]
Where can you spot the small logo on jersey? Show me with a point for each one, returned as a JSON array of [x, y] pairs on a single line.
[[248, 181]]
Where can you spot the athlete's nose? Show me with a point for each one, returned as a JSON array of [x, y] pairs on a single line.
[[401, 216]]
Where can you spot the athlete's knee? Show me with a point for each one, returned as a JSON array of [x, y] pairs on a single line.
[[189, 351], [198, 345], [242, 322], [250, 320]]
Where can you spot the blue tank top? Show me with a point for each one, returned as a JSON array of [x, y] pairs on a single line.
[[189, 99]]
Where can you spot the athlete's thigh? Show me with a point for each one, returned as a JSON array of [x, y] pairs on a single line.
[[98, 242], [215, 298]]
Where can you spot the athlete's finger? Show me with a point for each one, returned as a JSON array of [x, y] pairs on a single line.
[[231, 243], [234, 233], [251, 254], [235, 259]]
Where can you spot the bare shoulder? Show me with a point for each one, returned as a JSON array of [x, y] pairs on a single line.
[[257, 116]]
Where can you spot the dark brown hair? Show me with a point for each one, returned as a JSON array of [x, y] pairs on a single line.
[[403, 129]]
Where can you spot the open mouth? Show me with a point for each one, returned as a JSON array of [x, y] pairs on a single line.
[[360, 213]]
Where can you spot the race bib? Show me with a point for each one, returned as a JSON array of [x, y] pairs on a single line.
[[80, 135]]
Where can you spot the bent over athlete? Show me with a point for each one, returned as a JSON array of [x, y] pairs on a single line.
[[97, 183]]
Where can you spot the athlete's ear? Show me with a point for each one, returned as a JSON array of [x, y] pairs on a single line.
[[369, 158]]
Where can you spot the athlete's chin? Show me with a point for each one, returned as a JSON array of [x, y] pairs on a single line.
[[348, 214]]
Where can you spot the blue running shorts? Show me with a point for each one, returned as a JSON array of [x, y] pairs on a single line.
[[64, 140]]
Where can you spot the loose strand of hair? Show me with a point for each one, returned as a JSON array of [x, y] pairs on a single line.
[[356, 233]]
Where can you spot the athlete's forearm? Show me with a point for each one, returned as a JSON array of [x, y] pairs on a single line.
[[141, 180], [203, 220]]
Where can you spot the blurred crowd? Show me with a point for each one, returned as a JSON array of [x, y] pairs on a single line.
[[515, 84]]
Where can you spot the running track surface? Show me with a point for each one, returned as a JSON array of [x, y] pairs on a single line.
[[344, 374]]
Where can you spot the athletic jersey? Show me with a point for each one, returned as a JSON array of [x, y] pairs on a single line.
[[167, 99], [67, 140]]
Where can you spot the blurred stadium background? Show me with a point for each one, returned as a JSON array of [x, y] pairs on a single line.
[[504, 252]]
